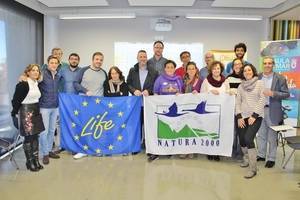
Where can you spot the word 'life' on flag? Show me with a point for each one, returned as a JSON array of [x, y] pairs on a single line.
[[100, 125]]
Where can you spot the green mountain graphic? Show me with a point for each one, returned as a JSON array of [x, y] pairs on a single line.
[[165, 132]]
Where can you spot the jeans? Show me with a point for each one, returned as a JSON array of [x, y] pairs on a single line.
[[47, 136], [267, 135]]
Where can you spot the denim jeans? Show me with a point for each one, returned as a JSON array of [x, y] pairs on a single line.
[[47, 136]]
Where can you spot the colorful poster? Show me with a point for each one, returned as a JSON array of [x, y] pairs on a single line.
[[189, 123], [286, 54]]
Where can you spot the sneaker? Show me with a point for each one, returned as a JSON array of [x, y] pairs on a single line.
[[46, 160], [152, 158], [79, 155], [53, 155]]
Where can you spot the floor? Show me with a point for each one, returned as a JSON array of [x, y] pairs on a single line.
[[133, 178]]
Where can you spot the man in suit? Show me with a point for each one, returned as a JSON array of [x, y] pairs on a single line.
[[276, 90], [141, 78]]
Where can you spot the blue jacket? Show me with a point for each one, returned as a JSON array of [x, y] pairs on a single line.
[[49, 89]]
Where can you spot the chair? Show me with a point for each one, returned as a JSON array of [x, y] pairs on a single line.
[[280, 129], [294, 143], [9, 145]]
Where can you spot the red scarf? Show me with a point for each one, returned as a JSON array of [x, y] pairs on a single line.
[[214, 82]]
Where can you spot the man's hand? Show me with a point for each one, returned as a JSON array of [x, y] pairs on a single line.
[[88, 93], [137, 93], [23, 77], [268, 93]]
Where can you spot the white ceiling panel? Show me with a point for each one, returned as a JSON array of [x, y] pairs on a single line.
[[161, 2], [247, 3], [292, 14], [73, 3]]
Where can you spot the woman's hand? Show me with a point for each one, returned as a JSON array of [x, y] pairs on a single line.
[[241, 123], [215, 92], [145, 93], [177, 93], [251, 120], [195, 92]]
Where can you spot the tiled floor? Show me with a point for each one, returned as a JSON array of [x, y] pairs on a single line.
[[133, 178]]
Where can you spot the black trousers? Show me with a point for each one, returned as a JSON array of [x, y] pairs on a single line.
[[248, 133]]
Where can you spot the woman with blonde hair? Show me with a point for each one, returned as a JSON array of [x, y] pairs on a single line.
[[26, 115]]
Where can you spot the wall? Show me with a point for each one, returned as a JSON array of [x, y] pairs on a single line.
[[88, 36], [50, 35]]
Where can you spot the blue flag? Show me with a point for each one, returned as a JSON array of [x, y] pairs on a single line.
[[100, 125]]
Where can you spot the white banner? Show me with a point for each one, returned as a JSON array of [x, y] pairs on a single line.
[[189, 123]]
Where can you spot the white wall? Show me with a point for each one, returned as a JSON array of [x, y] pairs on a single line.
[[50, 35], [88, 36]]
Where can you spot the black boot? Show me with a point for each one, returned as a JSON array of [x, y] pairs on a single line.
[[35, 149], [29, 157]]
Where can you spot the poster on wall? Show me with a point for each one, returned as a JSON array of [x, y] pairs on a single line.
[[286, 54], [225, 56]]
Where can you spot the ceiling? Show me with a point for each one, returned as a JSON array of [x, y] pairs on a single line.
[[163, 8], [291, 14]]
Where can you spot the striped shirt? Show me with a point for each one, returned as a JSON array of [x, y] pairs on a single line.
[[234, 83], [248, 103]]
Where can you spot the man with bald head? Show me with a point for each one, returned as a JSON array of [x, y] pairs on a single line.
[[276, 90], [209, 58]]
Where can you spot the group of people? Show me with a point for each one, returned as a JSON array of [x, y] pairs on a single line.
[[258, 97]]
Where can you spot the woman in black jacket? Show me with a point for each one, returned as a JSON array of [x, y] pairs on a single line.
[[115, 86], [25, 105]]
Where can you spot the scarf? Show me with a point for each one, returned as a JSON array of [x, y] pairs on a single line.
[[112, 83], [249, 85], [214, 82]]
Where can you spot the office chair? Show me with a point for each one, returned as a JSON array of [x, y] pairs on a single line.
[[9, 145], [294, 143]]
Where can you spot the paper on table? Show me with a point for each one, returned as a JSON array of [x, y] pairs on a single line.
[[282, 127]]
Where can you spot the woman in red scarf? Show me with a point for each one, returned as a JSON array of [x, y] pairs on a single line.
[[216, 84]]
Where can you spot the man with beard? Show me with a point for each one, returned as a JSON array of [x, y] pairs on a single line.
[[90, 81], [158, 61], [67, 77], [69, 74], [240, 50]]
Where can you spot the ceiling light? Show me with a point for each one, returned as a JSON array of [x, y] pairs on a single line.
[[98, 16], [225, 17]]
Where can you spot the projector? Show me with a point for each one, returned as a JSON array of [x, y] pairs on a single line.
[[163, 24]]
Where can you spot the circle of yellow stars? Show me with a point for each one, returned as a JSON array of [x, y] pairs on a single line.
[[110, 105]]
